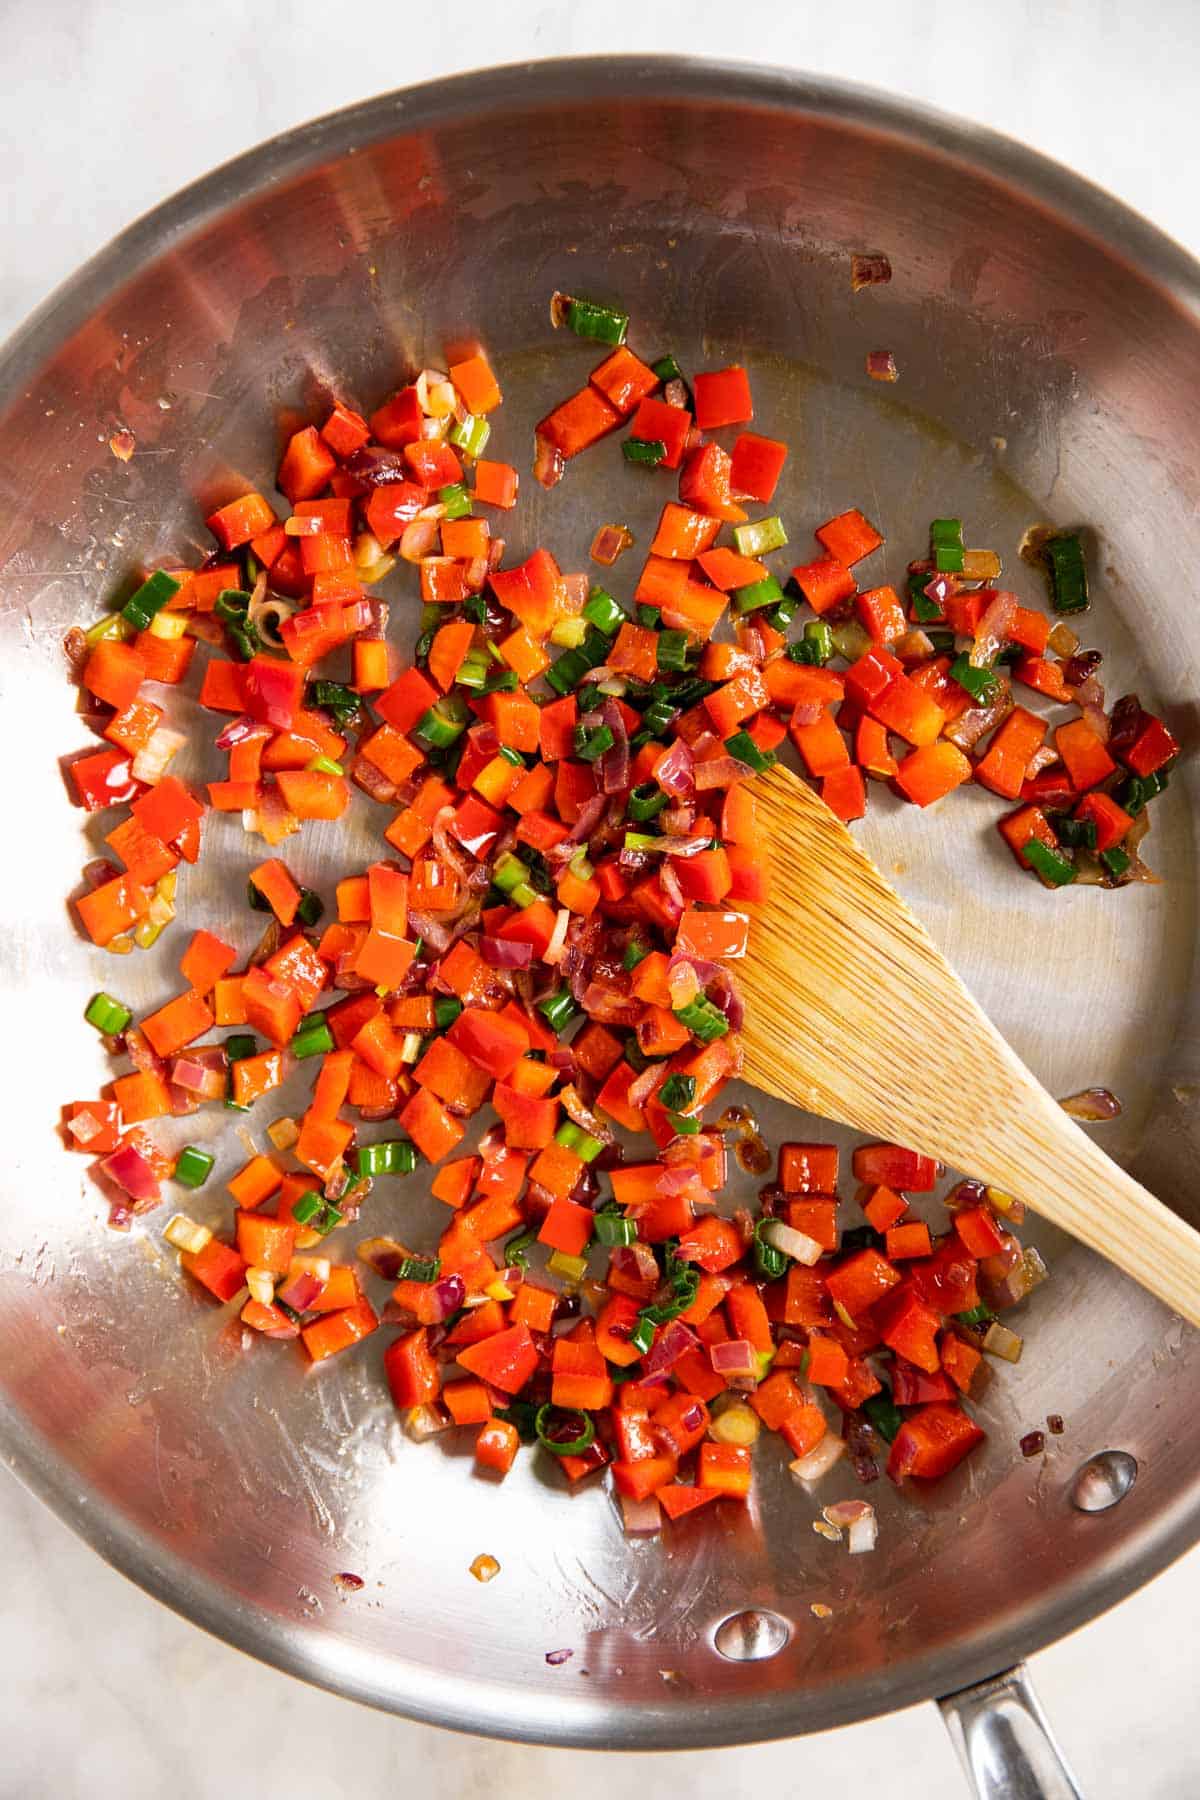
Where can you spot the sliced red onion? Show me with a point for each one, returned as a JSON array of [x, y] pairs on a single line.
[[678, 821], [98, 871], [419, 539], [643, 1085], [133, 1173], [718, 771], [991, 633], [723, 992], [300, 1290], [819, 1460], [610, 1006], [806, 712], [1093, 1104], [505, 953], [590, 814], [448, 1295], [548, 462], [241, 731], [737, 1356], [614, 764], [675, 774], [556, 948], [372, 781], [635, 1262], [583, 1116], [975, 723], [796, 1244], [434, 931], [84, 1127], [183, 1104], [672, 1341], [642, 1518]]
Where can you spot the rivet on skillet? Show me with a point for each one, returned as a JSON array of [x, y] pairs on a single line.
[[751, 1636], [1103, 1480]]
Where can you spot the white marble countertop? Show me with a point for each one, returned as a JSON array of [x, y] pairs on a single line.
[[107, 111]]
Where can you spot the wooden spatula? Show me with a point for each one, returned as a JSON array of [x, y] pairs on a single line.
[[851, 1012]]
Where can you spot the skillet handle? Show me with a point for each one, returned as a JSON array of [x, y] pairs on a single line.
[[1005, 1743]]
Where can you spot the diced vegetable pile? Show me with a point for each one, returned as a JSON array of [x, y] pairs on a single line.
[[567, 868]]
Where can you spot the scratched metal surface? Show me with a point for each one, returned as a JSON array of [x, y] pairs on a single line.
[[1047, 344]]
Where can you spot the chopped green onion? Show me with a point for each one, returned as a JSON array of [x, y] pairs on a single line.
[[591, 741], [239, 1047], [518, 1246], [571, 1268], [1068, 573], [647, 453], [678, 1092], [471, 434], [193, 1167], [979, 683], [673, 650], [573, 1137], [524, 894], [332, 697], [456, 500], [444, 723], [1116, 861], [395, 1156], [816, 646], [289, 1312], [770, 1262], [945, 537], [602, 611], [509, 872], [511, 756], [230, 605], [646, 801], [474, 669], [613, 1229], [1054, 869], [1141, 788], [502, 681], [558, 1009], [331, 1217], [310, 905], [420, 1268], [743, 746], [642, 1335], [648, 616], [575, 1446], [634, 954], [1073, 834], [446, 1009], [667, 369], [475, 608], [760, 536], [327, 766], [605, 324], [659, 715], [245, 641], [780, 617], [306, 1208], [108, 1015], [766, 592], [923, 609], [977, 1315], [641, 840], [149, 599], [884, 1415], [942, 641], [703, 1019], [682, 1125], [314, 1038], [113, 625]]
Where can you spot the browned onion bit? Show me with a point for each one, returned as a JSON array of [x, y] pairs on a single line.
[[348, 1583], [1033, 1443], [1055, 1424], [881, 366], [1092, 1103], [868, 271]]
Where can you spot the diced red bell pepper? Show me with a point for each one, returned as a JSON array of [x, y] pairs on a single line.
[[506, 1360], [932, 1442]]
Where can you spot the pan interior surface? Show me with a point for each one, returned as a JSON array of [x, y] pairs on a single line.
[[1047, 346]]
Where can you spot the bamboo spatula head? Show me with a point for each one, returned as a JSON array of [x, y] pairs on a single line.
[[853, 1013]]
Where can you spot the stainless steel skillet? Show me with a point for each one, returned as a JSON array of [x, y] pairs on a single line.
[[1048, 343]]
